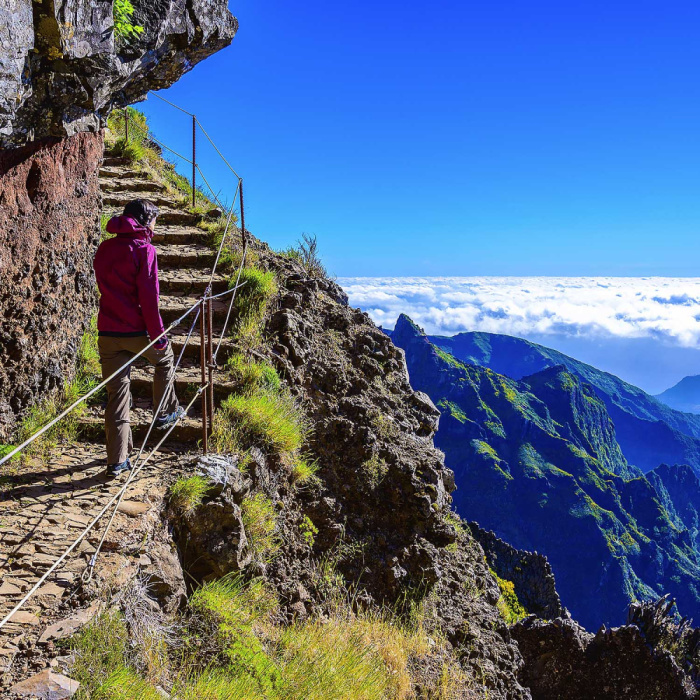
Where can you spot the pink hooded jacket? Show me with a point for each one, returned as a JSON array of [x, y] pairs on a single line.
[[126, 268]]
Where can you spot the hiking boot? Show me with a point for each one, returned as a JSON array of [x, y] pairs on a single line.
[[167, 421], [117, 469]]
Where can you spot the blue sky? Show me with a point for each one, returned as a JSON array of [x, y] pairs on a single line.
[[461, 138]]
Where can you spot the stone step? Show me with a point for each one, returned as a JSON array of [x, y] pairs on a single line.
[[173, 306], [192, 351], [180, 235], [176, 217], [111, 161], [188, 430], [119, 200], [118, 184], [118, 172], [178, 280], [189, 255], [187, 381]]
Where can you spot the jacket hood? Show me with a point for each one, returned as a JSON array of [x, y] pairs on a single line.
[[125, 225]]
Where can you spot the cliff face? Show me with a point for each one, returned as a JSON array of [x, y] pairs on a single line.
[[63, 68], [537, 461], [49, 227]]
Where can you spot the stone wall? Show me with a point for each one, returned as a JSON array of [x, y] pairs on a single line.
[[49, 229]]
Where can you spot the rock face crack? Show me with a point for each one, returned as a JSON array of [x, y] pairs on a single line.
[[62, 69]]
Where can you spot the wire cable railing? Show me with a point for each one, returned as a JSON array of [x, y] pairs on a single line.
[[204, 314]]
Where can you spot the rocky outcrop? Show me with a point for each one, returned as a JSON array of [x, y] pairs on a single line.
[[49, 229], [564, 662], [211, 538], [529, 572], [386, 485], [62, 68]]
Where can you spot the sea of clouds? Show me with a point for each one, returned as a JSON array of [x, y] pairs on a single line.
[[663, 309]]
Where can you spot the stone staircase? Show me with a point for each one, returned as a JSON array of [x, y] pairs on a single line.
[[45, 505], [185, 259]]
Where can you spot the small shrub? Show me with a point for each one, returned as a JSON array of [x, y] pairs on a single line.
[[309, 258], [187, 493], [260, 522], [509, 607], [374, 470], [308, 530]]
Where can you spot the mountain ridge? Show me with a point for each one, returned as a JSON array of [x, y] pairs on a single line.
[[537, 461], [642, 422], [683, 396]]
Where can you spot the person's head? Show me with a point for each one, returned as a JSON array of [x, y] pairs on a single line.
[[143, 210]]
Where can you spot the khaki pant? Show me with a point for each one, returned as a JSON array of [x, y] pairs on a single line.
[[114, 352]]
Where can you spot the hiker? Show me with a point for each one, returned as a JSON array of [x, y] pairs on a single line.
[[126, 268]]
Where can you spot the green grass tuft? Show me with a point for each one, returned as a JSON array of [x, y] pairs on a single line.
[[270, 420], [260, 523], [187, 493], [251, 374]]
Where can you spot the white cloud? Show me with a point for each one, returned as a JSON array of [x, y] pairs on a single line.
[[666, 309]]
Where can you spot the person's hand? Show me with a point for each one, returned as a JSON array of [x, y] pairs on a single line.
[[162, 343]]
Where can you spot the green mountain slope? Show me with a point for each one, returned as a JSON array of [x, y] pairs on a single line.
[[648, 431], [537, 461]]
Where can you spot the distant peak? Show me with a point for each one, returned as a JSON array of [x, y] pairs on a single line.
[[405, 325]]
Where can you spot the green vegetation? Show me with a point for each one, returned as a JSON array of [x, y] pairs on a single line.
[[124, 28], [87, 376], [509, 606], [101, 653], [265, 419], [187, 493], [304, 471], [449, 359], [260, 522], [308, 530], [229, 644], [250, 305], [453, 409], [251, 375], [143, 153]]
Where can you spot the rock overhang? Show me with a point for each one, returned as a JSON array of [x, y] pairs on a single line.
[[62, 69]]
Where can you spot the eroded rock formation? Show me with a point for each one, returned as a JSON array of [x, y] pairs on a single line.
[[62, 69], [49, 227]]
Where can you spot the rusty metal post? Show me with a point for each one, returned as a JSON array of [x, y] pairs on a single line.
[[126, 124], [194, 160], [210, 362], [243, 236], [203, 362]]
